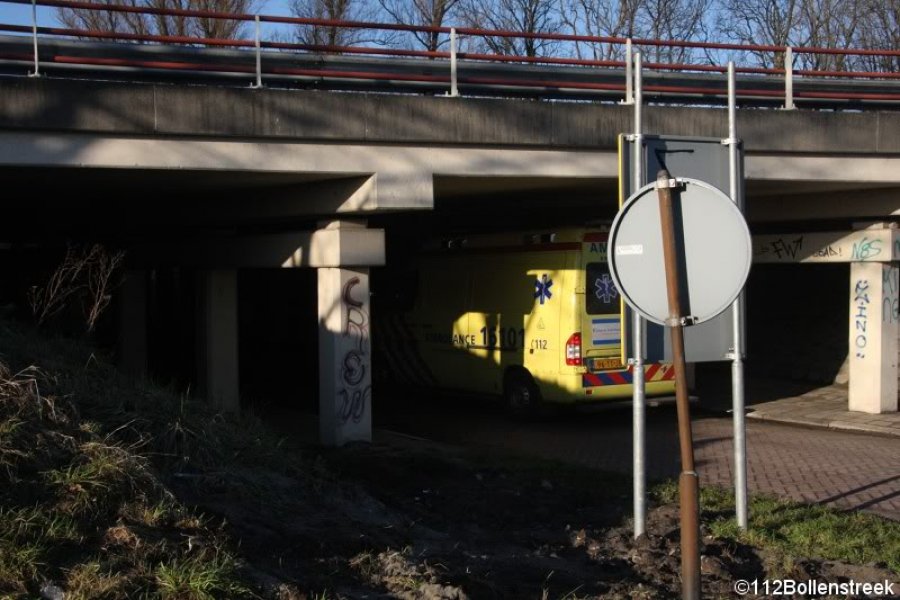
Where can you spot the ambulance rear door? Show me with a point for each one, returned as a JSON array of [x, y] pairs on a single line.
[[601, 330]]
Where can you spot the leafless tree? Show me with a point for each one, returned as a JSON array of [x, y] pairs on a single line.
[[829, 24], [97, 20], [148, 24], [526, 16], [763, 22], [602, 18], [84, 275], [428, 13], [672, 20], [879, 29], [338, 10]]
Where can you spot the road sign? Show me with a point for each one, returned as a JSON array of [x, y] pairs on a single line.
[[714, 251], [706, 159]]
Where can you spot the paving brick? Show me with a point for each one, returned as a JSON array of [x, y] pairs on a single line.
[[847, 470]]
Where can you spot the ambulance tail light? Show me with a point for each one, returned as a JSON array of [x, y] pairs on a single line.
[[573, 350]]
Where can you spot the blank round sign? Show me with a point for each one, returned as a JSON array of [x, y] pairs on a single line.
[[716, 258]]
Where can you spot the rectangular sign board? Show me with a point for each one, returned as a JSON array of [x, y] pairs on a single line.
[[705, 159]]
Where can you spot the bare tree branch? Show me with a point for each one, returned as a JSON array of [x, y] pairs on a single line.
[[84, 275], [525, 16], [142, 24], [428, 13], [339, 10], [602, 18]]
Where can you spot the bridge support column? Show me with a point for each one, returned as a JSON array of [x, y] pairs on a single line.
[[132, 357], [218, 356], [345, 360], [874, 328], [343, 251]]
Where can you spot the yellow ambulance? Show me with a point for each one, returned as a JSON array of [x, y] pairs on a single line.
[[533, 316]]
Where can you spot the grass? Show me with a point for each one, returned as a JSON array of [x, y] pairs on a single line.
[[85, 456], [203, 576], [88, 457], [792, 530]]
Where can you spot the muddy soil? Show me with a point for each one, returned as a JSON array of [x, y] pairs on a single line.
[[419, 521]]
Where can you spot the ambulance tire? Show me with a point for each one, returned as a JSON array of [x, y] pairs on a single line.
[[521, 395]]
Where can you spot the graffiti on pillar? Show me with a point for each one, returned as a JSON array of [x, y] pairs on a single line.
[[890, 305], [866, 249], [356, 391], [861, 316]]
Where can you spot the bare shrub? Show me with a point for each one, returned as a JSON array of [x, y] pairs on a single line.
[[84, 275]]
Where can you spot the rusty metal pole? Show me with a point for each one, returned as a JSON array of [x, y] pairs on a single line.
[[688, 485]]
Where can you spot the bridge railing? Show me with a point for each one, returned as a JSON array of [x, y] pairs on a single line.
[[466, 65]]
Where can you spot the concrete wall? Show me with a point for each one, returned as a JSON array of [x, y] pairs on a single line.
[[210, 111]]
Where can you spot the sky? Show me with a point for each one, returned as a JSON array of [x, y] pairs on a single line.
[[20, 14]]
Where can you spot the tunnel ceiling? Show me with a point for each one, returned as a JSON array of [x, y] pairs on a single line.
[[141, 202]]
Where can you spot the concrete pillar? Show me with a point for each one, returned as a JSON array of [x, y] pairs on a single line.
[[132, 353], [874, 307], [345, 368], [218, 360]]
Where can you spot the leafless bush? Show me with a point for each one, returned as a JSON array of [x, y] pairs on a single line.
[[84, 275]]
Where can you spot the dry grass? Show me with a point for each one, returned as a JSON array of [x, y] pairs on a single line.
[[84, 457]]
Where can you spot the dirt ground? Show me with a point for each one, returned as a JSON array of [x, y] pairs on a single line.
[[429, 522]]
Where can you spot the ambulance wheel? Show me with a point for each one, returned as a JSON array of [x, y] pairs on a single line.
[[521, 394]]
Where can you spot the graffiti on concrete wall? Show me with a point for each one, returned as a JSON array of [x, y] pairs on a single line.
[[866, 249], [356, 393], [780, 248], [861, 317], [890, 304]]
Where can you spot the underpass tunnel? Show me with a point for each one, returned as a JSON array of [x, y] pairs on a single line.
[[205, 303], [797, 314]]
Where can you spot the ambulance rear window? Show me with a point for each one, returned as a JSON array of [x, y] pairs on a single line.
[[601, 295]]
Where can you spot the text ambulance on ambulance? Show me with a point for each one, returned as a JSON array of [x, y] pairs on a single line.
[[533, 317]]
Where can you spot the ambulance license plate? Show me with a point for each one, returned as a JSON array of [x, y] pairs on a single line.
[[601, 364]]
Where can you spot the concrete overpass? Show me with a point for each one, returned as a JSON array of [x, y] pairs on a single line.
[[219, 178], [353, 153]]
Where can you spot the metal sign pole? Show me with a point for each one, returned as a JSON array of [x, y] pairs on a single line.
[[629, 73], [737, 364], [638, 417], [688, 485]]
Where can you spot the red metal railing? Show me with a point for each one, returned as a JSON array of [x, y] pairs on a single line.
[[757, 85]]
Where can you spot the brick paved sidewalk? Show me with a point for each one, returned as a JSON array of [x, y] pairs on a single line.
[[844, 470], [825, 407], [840, 469]]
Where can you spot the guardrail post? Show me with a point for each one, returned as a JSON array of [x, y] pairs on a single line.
[[789, 79], [629, 74], [258, 83], [34, 35], [454, 87]]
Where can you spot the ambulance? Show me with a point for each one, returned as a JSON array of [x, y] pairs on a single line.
[[534, 317]]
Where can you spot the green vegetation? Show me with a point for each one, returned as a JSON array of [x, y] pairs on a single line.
[[84, 460], [90, 464], [791, 530]]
